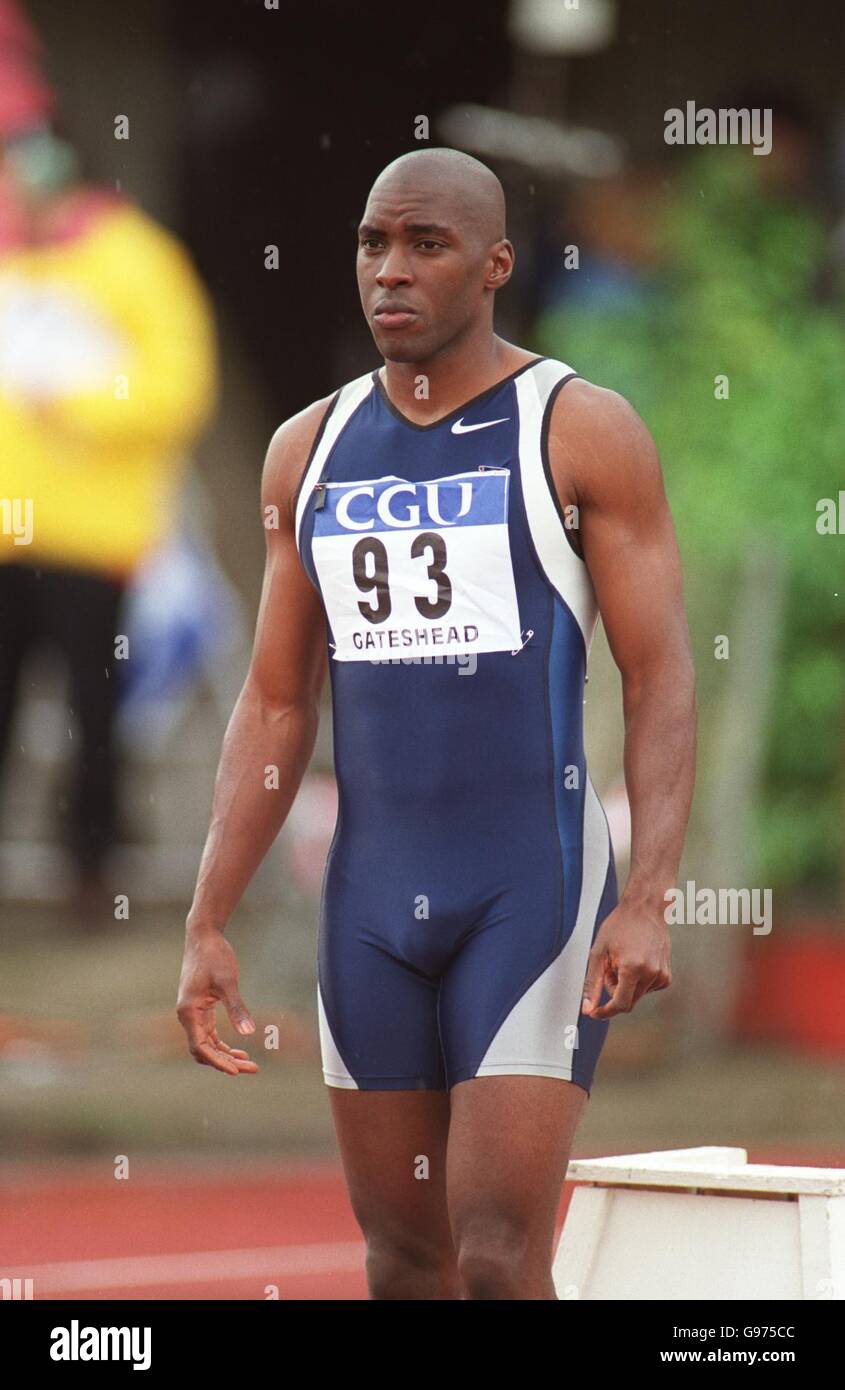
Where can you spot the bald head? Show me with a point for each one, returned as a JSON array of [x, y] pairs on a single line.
[[469, 193], [432, 251]]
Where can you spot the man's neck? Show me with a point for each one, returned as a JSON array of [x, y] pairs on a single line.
[[429, 390]]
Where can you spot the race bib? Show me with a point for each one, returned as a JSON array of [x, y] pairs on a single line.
[[417, 569]]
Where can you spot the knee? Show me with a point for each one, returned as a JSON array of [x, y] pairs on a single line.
[[493, 1259], [409, 1268]]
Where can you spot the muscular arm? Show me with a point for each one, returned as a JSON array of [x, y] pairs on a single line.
[[266, 748], [604, 460]]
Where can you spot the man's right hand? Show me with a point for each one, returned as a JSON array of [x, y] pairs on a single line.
[[210, 977]]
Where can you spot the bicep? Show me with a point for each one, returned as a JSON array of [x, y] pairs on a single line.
[[628, 536], [289, 659], [636, 575], [289, 653]]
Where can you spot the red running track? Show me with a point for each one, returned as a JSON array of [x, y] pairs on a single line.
[[188, 1232]]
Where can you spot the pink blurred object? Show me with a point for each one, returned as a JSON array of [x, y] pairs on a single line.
[[16, 32], [14, 225], [26, 98], [310, 826], [618, 812]]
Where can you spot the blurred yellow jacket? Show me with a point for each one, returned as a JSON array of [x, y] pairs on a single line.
[[118, 318]]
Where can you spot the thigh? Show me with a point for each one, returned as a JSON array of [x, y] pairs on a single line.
[[382, 1062], [379, 1027], [511, 998], [509, 1143], [393, 1146]]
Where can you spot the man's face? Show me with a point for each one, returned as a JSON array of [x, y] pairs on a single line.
[[421, 276]]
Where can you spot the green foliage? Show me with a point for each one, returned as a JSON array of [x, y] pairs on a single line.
[[740, 303]]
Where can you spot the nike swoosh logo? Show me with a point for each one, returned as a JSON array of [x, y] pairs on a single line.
[[460, 428]]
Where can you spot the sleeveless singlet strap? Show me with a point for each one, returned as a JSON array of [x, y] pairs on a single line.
[[537, 390], [338, 415]]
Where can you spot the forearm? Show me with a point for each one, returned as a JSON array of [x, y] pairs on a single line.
[[266, 750], [660, 739]]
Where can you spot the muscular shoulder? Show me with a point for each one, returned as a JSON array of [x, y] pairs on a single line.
[[287, 456], [599, 445]]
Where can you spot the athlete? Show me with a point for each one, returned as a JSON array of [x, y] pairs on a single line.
[[441, 536]]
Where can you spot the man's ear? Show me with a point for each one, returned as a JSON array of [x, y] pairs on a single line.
[[502, 258]]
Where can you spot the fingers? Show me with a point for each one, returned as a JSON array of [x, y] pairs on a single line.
[[226, 1059], [206, 1047], [232, 1051], [243, 1059], [239, 1015], [632, 983], [210, 1056], [594, 983], [621, 1000]]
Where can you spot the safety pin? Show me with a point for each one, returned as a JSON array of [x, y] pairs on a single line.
[[518, 649]]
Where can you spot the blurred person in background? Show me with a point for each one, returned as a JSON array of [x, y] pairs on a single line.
[[615, 224], [107, 373]]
